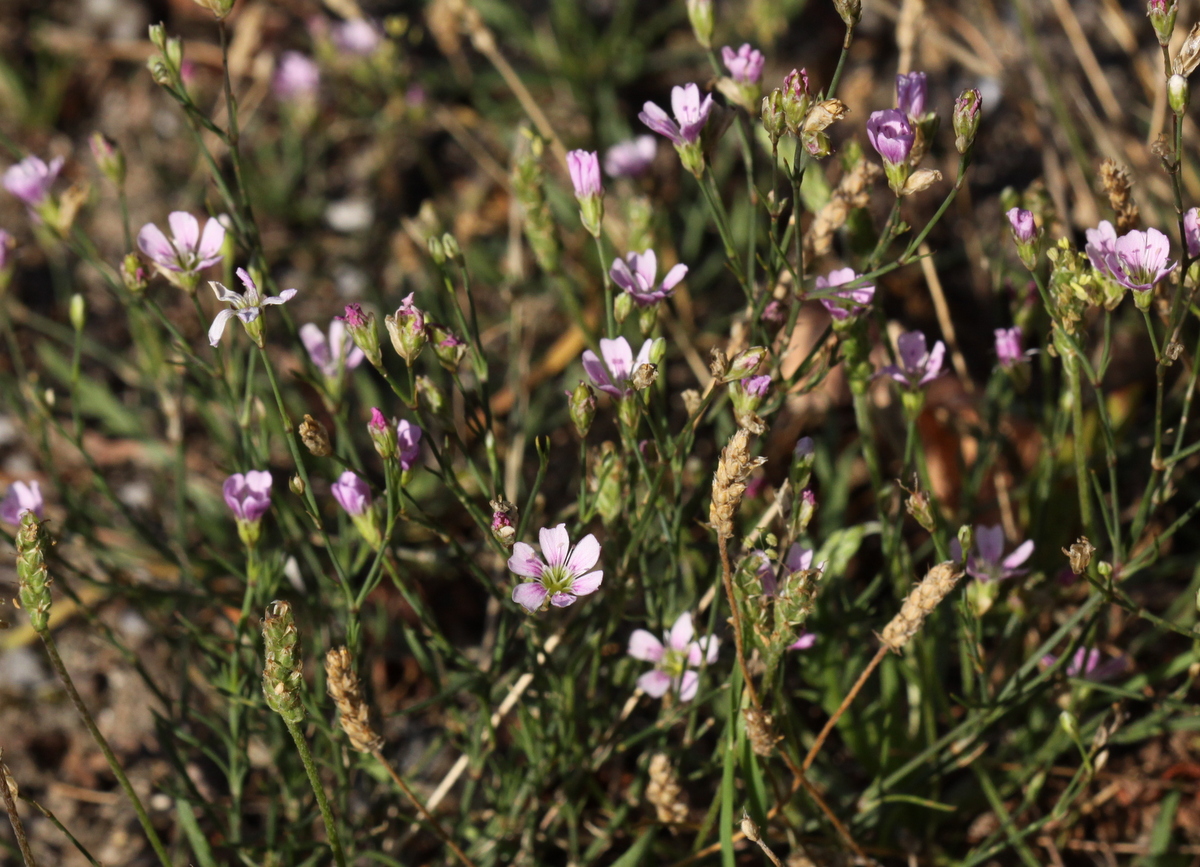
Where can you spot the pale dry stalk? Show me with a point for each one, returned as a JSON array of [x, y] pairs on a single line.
[[934, 587], [8, 786], [355, 717], [729, 484]]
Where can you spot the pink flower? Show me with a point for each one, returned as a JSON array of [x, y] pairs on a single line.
[[248, 496], [803, 641], [910, 94], [584, 167], [187, 251], [564, 575], [918, 366], [357, 36], [890, 134], [1086, 663], [1191, 231], [246, 307], [757, 386], [1024, 228], [30, 179], [408, 439], [352, 494], [1008, 346], [630, 158], [296, 77], [333, 355], [691, 113], [987, 561], [745, 65], [860, 295], [1136, 260], [613, 375], [672, 658], [798, 559], [636, 274], [21, 498]]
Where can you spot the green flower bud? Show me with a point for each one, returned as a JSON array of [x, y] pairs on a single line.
[[1162, 15], [77, 312], [434, 399], [622, 306], [700, 13], [966, 119], [108, 157], [1178, 93], [582, 408], [773, 118]]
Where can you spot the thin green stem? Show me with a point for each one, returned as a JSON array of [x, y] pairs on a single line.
[[310, 767], [110, 757]]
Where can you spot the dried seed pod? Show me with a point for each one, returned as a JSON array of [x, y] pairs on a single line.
[[1080, 554], [938, 582], [315, 437], [760, 731]]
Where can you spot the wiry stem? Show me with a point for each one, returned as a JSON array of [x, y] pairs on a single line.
[[736, 616], [843, 707], [10, 805], [310, 767], [420, 808]]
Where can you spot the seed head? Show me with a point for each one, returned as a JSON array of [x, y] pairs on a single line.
[[315, 437], [346, 691], [283, 676], [938, 582], [729, 483], [32, 576]]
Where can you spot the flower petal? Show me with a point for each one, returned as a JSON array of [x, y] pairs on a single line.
[[525, 561], [211, 240], [556, 544], [644, 646], [654, 683], [681, 631], [585, 555], [185, 229], [989, 542], [285, 295], [317, 346], [562, 600], [588, 584], [529, 596], [1019, 555], [218, 326], [659, 121], [672, 278], [689, 685], [154, 244]]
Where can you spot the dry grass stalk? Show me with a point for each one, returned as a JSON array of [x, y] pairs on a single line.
[[1116, 183], [346, 691], [8, 790], [933, 588], [664, 791]]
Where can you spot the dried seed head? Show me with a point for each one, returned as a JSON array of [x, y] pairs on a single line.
[[1080, 554], [925, 597], [691, 400], [6, 778], [729, 483], [664, 791], [920, 180], [824, 114], [283, 675], [718, 363], [750, 828], [644, 376], [760, 731], [346, 691], [853, 191], [1116, 183], [315, 437]]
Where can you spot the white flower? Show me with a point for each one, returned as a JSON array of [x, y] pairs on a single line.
[[246, 307]]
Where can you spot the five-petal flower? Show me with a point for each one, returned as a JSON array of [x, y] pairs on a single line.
[[565, 574], [672, 658]]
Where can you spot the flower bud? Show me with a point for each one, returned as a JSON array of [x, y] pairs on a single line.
[[700, 13], [966, 536], [919, 507], [173, 53], [582, 408], [1162, 15], [850, 10], [447, 346], [432, 395], [283, 677], [315, 437], [1027, 235], [157, 34], [451, 248], [747, 396], [361, 328], [584, 167], [503, 529], [406, 327], [796, 100], [77, 312], [749, 828], [773, 118], [132, 274], [745, 363], [966, 119], [437, 252], [383, 435], [296, 486], [607, 480], [622, 305], [1177, 94], [1069, 724], [32, 576], [806, 507], [219, 8], [108, 157]]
